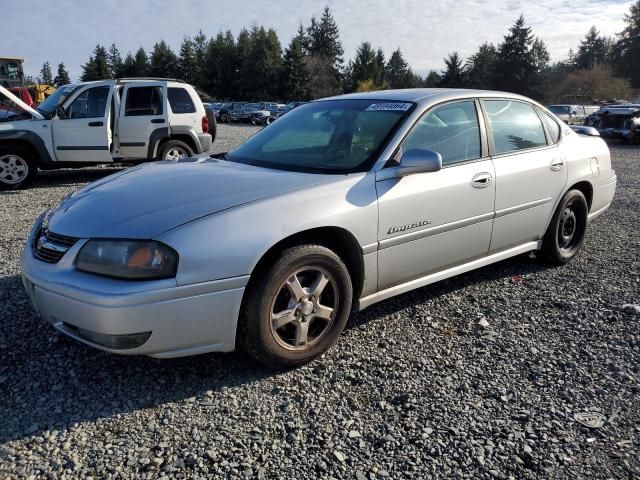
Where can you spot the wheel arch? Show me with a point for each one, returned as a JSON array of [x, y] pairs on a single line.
[[586, 188], [29, 141], [337, 239]]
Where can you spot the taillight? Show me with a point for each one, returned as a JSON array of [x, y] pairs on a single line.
[[205, 124]]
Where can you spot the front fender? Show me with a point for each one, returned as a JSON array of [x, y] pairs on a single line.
[[230, 243]]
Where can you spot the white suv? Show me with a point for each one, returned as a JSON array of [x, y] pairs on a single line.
[[133, 120]]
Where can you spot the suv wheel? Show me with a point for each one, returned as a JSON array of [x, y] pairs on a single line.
[[567, 229], [297, 308], [17, 167], [175, 150]]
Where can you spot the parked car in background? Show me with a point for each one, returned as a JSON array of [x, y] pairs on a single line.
[[620, 121], [258, 113], [132, 120], [572, 114], [342, 203], [230, 111], [288, 107]]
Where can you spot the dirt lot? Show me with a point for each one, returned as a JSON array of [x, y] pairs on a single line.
[[416, 387]]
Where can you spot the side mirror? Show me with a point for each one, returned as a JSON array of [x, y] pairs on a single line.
[[62, 114], [584, 130], [419, 161]]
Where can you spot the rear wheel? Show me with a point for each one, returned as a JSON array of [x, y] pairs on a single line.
[[224, 118], [297, 308], [18, 168], [567, 229], [175, 150]]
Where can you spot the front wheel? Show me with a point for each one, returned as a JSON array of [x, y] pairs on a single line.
[[17, 167], [295, 310], [567, 229]]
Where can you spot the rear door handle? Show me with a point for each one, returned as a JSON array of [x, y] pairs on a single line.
[[157, 120], [96, 124], [482, 180], [557, 164]]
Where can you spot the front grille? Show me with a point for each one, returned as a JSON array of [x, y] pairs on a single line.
[[50, 247]]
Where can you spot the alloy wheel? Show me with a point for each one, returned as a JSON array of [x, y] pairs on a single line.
[[176, 153], [13, 169], [304, 309]]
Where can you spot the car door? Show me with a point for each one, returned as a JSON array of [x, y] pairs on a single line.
[[82, 133], [143, 118], [531, 172], [432, 221]]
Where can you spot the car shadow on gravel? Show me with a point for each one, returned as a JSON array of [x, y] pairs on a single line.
[[53, 382]]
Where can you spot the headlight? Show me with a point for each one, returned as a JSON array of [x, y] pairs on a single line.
[[129, 259]]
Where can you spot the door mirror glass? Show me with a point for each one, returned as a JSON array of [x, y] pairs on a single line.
[[419, 161]]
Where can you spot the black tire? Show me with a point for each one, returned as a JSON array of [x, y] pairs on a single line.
[[567, 229], [270, 291], [213, 126], [177, 146], [269, 120], [224, 118], [14, 159]]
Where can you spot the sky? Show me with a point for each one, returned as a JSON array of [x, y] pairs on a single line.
[[67, 31]]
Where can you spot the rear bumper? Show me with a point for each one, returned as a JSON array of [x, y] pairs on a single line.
[[204, 139], [172, 321]]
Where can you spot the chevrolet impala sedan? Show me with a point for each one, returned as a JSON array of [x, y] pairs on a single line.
[[340, 204]]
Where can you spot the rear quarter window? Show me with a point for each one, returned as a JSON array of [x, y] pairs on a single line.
[[180, 100]]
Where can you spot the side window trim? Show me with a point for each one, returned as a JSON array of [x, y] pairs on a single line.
[[484, 138], [550, 141], [70, 101], [491, 142], [124, 98]]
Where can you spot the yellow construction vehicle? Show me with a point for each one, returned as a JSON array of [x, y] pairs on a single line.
[[40, 92]]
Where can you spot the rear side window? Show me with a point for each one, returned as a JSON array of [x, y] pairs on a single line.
[[552, 126], [514, 125], [180, 101], [452, 130], [143, 101]]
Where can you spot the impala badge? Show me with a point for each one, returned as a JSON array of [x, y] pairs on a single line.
[[410, 226]]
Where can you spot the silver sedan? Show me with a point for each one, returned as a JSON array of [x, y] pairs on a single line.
[[341, 203]]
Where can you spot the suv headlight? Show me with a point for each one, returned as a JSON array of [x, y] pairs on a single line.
[[128, 259]]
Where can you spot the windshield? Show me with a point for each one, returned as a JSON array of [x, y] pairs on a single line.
[[559, 109], [331, 136], [49, 106]]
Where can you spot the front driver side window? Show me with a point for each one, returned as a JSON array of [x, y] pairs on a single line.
[[452, 130], [92, 103]]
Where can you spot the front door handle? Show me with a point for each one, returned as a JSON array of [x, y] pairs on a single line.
[[482, 180], [157, 120], [96, 124], [557, 164]]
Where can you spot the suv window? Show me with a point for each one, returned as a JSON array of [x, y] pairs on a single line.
[[180, 100], [552, 126], [143, 101], [452, 130], [514, 125], [92, 103]]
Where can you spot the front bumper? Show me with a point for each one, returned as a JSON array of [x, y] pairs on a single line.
[[180, 320]]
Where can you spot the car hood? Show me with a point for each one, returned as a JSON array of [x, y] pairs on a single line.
[[145, 201], [4, 93]]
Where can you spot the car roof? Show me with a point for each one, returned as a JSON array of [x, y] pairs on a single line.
[[426, 95]]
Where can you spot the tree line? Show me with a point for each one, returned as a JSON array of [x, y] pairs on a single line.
[[253, 65]]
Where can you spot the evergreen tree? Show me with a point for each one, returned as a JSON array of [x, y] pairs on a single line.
[[200, 53], [325, 44], [627, 49], [432, 79], [453, 76], [242, 82], [294, 77], [593, 50], [164, 62], [128, 66], [62, 78], [514, 68], [46, 76], [398, 73], [187, 62], [97, 68], [114, 60], [363, 66], [140, 64], [479, 67]]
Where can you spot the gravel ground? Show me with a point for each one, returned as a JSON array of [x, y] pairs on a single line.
[[479, 376]]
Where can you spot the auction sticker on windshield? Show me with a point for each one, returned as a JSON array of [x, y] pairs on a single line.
[[389, 107]]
